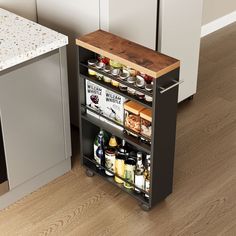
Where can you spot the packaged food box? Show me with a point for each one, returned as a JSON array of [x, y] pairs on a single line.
[[132, 117], [95, 96], [105, 102], [114, 106], [146, 123]]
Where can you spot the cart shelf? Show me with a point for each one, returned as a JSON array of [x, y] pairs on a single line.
[[165, 71]]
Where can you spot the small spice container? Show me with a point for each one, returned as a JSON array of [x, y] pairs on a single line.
[[92, 62], [124, 75], [107, 68], [122, 87], [132, 117], [132, 81], [115, 64], [99, 65], [106, 79], [140, 95], [146, 123], [115, 72], [149, 87], [148, 98]]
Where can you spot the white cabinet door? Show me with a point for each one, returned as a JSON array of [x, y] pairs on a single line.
[[73, 18], [25, 8], [132, 19], [31, 110], [179, 36]]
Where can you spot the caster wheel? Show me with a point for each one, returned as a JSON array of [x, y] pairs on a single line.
[[144, 207], [89, 173], [190, 98]]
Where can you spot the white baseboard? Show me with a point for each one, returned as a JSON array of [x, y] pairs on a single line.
[[218, 24]]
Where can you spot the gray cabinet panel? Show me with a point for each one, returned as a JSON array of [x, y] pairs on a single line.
[[32, 118]]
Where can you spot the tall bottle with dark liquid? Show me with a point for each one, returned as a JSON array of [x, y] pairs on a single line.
[[139, 173], [100, 155], [95, 146], [122, 149], [147, 181], [110, 156]]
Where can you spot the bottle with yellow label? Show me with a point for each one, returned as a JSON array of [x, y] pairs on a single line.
[[129, 173], [119, 168]]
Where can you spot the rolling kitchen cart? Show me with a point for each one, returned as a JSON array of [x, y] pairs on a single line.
[[165, 71]]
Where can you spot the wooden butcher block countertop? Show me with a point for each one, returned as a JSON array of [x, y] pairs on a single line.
[[128, 53]]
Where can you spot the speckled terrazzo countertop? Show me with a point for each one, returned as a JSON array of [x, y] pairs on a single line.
[[22, 39]]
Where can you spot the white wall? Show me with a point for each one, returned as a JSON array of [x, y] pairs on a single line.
[[25, 8], [214, 9]]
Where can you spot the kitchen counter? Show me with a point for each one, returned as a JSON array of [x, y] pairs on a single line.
[[22, 39], [35, 145]]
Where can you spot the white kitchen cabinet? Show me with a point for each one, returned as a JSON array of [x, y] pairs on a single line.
[[132, 19], [179, 36], [25, 8], [73, 18]]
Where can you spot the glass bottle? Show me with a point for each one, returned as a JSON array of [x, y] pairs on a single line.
[[122, 149], [139, 171], [110, 156], [147, 181], [129, 173], [100, 158], [147, 160], [105, 140]]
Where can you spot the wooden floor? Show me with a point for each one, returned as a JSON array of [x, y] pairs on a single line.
[[204, 197]]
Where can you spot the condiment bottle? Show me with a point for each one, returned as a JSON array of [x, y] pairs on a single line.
[[129, 173], [110, 157]]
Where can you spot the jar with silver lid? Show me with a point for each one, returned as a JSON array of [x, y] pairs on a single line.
[[140, 82], [131, 81], [148, 98], [123, 87], [92, 62]]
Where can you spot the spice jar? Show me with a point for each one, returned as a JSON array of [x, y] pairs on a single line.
[[146, 123], [92, 62], [140, 95], [131, 81], [129, 172], [140, 82], [115, 72], [124, 75], [115, 64], [132, 72], [106, 79], [122, 87], [132, 117], [149, 87], [107, 68], [148, 98]]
